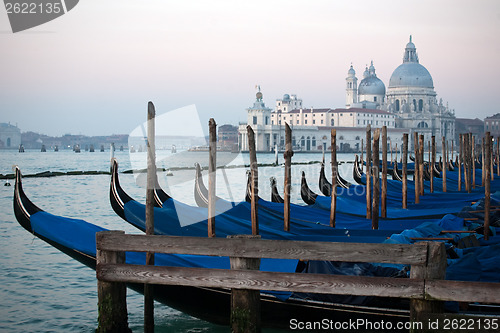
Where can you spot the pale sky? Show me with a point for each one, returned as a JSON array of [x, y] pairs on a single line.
[[93, 70]]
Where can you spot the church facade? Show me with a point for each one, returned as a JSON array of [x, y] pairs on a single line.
[[409, 104]]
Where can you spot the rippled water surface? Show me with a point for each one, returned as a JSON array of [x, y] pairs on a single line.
[[44, 290]]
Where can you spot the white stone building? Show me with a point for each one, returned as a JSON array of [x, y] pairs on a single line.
[[10, 136]]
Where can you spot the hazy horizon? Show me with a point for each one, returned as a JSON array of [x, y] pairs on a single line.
[[93, 70]]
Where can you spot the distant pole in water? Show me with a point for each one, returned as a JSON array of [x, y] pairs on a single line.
[[384, 172], [288, 176], [333, 206], [254, 180], [150, 192], [368, 171], [212, 169], [487, 189], [376, 179], [276, 154], [445, 165], [405, 169]]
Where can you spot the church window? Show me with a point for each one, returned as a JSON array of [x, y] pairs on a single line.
[[375, 98], [332, 123], [422, 124], [420, 105], [341, 137], [280, 122], [297, 121], [254, 120], [321, 121], [414, 105], [357, 138], [305, 121], [302, 141], [397, 105], [314, 121], [267, 120], [314, 141], [294, 142]]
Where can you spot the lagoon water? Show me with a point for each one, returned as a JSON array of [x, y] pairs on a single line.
[[44, 290]]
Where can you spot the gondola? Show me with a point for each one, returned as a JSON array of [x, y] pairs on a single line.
[[200, 191], [325, 186], [395, 173], [308, 196], [76, 238], [357, 174], [275, 196]]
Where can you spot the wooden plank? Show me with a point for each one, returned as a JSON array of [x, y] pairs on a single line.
[[212, 169], [263, 248], [463, 291], [259, 280]]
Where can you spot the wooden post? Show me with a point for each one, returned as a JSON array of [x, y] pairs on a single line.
[[492, 173], [487, 192], [460, 162], [452, 150], [498, 156], [368, 171], [384, 172], [433, 161], [416, 168], [333, 206], [149, 322], [421, 164], [376, 180], [482, 161], [245, 304], [390, 147], [469, 158], [288, 176], [111, 296], [255, 180], [473, 162], [405, 170], [445, 165], [396, 152], [433, 269], [212, 169], [362, 148]]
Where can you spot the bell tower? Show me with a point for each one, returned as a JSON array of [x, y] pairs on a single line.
[[351, 87]]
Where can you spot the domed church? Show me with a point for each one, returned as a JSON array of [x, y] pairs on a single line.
[[410, 96]]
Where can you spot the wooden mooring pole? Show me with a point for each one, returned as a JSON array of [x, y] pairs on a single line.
[[487, 190], [433, 161], [149, 320], [376, 179], [421, 164], [245, 303], [368, 172], [333, 206], [288, 176], [254, 172], [445, 163], [416, 168], [483, 171], [473, 146], [460, 161], [111, 296], [405, 170], [212, 169], [383, 208], [498, 156]]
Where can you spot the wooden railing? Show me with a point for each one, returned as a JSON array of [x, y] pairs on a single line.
[[425, 288]]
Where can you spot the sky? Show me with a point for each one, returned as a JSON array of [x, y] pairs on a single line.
[[93, 70]]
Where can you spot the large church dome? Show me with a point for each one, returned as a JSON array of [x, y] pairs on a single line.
[[410, 73]]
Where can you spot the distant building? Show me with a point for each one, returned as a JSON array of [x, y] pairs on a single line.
[[227, 137], [492, 125], [10, 136], [466, 125]]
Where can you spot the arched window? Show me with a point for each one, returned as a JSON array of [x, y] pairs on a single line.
[[332, 122], [422, 124], [397, 105], [420, 105], [341, 137], [414, 105], [357, 138], [267, 120], [302, 141], [314, 141]]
